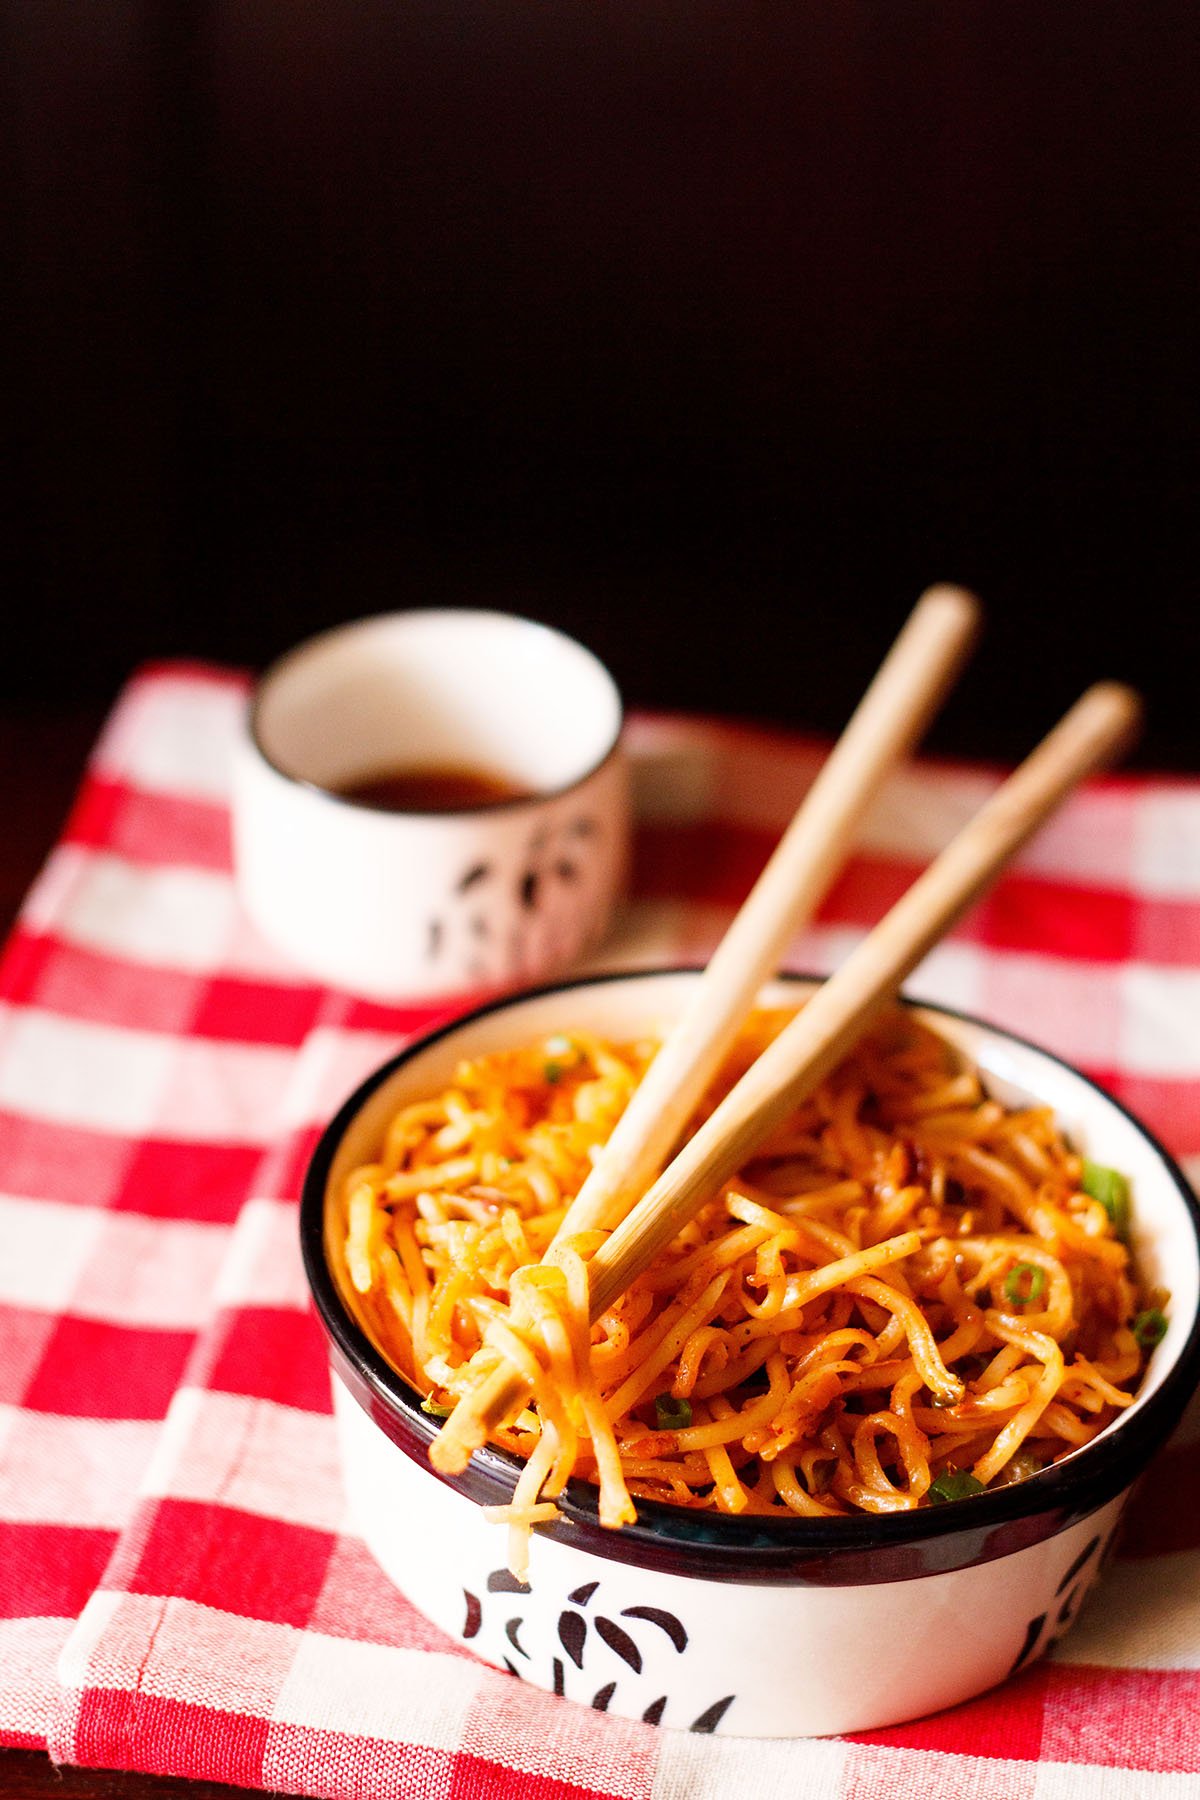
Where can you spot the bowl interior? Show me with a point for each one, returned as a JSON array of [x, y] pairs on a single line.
[[1164, 1235]]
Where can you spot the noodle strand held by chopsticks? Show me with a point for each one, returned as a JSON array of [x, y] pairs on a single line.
[[906, 1295]]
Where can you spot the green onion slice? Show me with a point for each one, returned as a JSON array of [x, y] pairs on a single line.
[[435, 1407], [1150, 1327], [672, 1414], [561, 1053], [953, 1484], [1025, 1282], [1111, 1189]]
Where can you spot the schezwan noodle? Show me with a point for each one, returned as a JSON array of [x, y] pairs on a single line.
[[907, 1295]]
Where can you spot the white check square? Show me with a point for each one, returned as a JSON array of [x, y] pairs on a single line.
[[101, 1077], [252, 1454], [44, 1248], [174, 735], [153, 1274]]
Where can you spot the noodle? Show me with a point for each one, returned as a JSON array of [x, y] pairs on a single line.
[[905, 1296]]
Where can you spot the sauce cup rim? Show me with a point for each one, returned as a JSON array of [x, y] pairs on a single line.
[[487, 808]]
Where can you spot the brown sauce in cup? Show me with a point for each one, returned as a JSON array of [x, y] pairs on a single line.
[[432, 787]]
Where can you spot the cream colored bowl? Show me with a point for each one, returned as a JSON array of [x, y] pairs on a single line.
[[742, 1625]]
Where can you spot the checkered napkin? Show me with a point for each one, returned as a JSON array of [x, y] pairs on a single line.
[[180, 1589]]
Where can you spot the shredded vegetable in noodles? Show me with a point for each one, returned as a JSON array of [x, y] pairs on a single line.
[[911, 1294]]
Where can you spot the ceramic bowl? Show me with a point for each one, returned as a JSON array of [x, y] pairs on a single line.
[[465, 898], [739, 1625]]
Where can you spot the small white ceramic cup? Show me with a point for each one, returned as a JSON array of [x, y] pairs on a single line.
[[423, 903]]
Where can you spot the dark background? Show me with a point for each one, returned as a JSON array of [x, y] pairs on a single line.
[[711, 331]]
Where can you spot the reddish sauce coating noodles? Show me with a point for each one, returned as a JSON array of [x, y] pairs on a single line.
[[912, 1292]]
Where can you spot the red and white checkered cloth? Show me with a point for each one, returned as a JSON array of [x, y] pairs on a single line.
[[179, 1589]]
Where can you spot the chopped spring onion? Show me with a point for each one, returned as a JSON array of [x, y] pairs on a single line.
[[1024, 1282], [672, 1414], [954, 1484], [561, 1053], [1149, 1328], [435, 1407], [1111, 1189]]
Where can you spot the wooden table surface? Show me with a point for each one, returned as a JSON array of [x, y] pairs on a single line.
[[42, 752]]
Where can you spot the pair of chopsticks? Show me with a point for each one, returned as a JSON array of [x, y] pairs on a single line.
[[626, 1194]]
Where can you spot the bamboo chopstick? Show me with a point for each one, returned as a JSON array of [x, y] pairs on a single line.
[[911, 681], [822, 1032], [892, 714]]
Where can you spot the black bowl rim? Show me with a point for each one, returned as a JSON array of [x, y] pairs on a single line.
[[508, 802], [867, 1548]]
